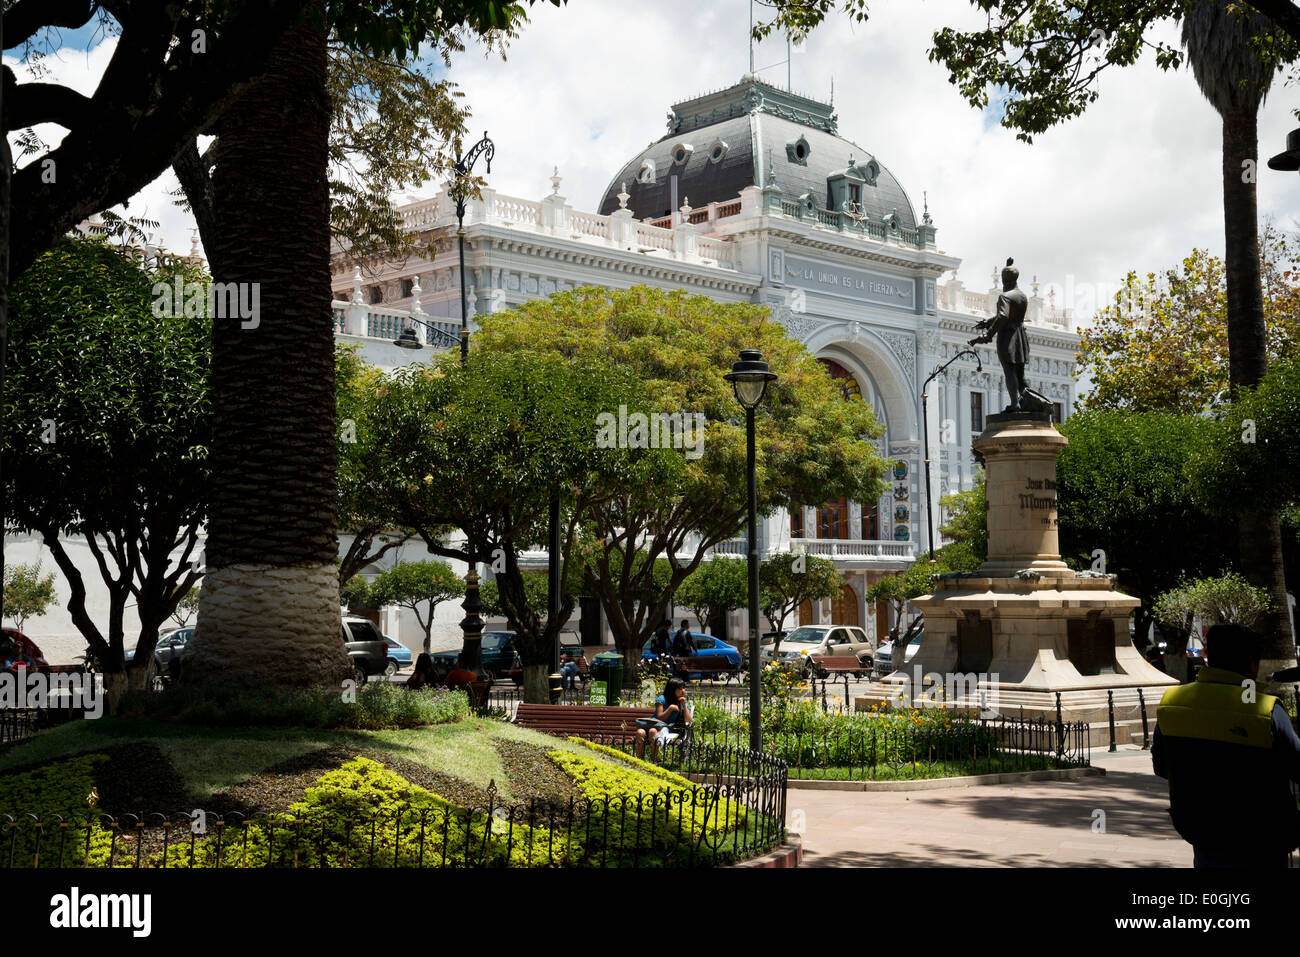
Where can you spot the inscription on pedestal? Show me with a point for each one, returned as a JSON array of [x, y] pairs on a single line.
[[1035, 498]]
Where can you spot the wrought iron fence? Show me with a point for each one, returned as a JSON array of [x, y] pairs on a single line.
[[734, 809], [19, 723], [876, 749]]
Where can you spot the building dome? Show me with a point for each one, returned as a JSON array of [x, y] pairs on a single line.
[[754, 134]]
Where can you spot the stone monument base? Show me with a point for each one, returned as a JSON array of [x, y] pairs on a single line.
[[1024, 626]]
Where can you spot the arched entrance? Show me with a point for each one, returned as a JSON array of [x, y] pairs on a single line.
[[844, 610]]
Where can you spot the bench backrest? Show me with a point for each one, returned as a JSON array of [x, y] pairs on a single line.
[[838, 662], [580, 719]]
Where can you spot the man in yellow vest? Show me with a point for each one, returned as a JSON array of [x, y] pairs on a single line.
[[1230, 755]]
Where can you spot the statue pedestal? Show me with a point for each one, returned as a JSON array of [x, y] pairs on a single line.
[[1024, 626]]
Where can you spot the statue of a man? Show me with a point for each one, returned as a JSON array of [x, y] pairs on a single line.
[[1013, 343]]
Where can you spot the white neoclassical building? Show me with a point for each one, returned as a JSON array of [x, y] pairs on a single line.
[[752, 195]]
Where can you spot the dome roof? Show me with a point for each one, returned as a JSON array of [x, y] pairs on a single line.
[[753, 134]]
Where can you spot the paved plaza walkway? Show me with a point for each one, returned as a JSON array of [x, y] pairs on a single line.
[[1032, 824]]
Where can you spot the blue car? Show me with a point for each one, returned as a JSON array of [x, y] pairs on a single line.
[[706, 646], [399, 656]]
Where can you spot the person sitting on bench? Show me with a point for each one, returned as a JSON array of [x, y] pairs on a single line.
[[672, 718]]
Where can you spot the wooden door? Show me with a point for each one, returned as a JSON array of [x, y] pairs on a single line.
[[844, 610]]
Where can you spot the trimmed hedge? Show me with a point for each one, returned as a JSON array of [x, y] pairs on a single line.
[[49, 792], [363, 814]]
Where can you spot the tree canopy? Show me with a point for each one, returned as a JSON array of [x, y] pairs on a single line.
[[107, 424], [1043, 59], [1162, 344], [789, 579], [812, 446]]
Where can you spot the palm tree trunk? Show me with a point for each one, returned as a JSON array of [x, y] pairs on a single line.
[[1259, 532], [269, 609]]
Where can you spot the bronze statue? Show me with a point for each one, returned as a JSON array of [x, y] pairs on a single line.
[[1013, 343]]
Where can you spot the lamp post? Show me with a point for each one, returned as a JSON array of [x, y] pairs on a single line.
[[925, 426], [463, 166], [750, 377], [1289, 159], [472, 623]]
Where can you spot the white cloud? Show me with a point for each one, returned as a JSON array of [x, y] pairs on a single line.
[[1132, 184]]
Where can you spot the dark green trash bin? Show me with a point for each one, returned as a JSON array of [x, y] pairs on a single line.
[[607, 667]]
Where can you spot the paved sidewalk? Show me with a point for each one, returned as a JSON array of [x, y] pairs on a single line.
[[1035, 824]]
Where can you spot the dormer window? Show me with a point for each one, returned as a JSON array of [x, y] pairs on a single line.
[[681, 153], [846, 189], [797, 152], [646, 174], [718, 150]]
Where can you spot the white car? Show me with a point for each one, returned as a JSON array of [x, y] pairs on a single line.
[[800, 646]]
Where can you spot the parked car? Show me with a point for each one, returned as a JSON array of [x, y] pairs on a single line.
[[801, 645], [399, 656], [911, 640], [366, 647], [170, 647], [17, 647], [498, 651], [568, 652], [706, 646]]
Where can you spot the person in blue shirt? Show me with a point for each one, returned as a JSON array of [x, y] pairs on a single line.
[[671, 713]]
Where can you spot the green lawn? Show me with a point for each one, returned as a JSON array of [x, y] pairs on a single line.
[[213, 759]]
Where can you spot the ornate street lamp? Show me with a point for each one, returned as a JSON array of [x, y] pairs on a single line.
[[925, 425], [750, 377], [1289, 159], [463, 166], [409, 340]]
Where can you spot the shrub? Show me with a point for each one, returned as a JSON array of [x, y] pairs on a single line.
[[378, 706], [641, 815], [363, 814], [57, 794]]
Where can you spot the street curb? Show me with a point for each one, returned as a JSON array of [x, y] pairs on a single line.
[[939, 784], [788, 854]]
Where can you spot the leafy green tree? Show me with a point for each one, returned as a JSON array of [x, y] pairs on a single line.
[[1048, 54], [966, 528], [417, 585], [715, 588], [789, 579], [482, 447], [1222, 599], [897, 590], [186, 607], [1252, 445], [1162, 345], [107, 425], [812, 446], [1126, 507], [355, 593], [27, 593], [363, 512], [1043, 58]]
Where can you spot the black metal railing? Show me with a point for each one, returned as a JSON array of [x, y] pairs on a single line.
[[876, 749], [735, 808]]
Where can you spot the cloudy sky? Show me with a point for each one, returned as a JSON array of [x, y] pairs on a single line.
[[1132, 184]]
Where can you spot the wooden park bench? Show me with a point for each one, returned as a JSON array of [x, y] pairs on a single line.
[[581, 720], [844, 665], [706, 664]]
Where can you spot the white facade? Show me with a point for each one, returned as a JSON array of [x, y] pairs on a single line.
[[875, 306], [858, 281]]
